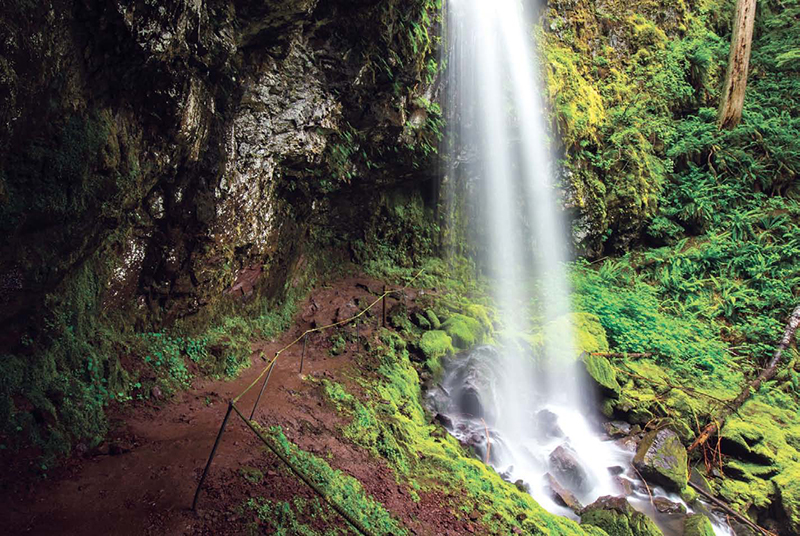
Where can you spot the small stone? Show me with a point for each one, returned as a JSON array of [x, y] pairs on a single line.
[[522, 486], [617, 429], [625, 486], [665, 506]]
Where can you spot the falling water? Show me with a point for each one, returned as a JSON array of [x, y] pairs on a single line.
[[498, 145], [494, 96]]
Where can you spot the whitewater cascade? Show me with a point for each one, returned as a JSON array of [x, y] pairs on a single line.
[[534, 409]]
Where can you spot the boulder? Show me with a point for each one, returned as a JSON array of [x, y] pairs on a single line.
[[444, 420], [568, 470], [617, 517], [600, 370], [561, 495], [617, 429], [665, 506], [697, 525], [545, 424], [661, 459], [625, 486]]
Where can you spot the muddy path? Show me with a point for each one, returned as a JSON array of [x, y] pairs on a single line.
[[142, 480]]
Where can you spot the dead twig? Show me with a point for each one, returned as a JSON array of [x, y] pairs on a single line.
[[728, 510]]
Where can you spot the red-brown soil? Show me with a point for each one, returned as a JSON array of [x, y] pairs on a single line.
[[143, 479]]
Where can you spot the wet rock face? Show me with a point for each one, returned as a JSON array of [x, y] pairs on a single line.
[[661, 459], [187, 140], [616, 516]]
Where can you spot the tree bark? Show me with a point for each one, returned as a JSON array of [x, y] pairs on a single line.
[[767, 374], [730, 109]]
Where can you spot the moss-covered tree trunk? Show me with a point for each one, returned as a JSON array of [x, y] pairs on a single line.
[[730, 109]]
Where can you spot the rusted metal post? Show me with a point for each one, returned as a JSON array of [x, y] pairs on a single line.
[[303, 355], [211, 457], [263, 388]]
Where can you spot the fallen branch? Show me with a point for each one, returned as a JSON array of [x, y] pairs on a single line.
[[766, 375], [728, 510]]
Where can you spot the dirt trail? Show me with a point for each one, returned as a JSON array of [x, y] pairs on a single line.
[[146, 482]]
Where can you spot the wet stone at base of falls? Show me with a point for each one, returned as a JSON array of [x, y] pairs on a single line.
[[568, 470], [665, 506], [545, 425], [561, 495]]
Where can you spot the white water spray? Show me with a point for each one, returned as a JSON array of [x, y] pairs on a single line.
[[535, 409]]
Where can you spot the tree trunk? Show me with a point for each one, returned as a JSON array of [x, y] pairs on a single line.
[[767, 374], [730, 109]]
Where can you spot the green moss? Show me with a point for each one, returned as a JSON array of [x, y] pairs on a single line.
[[435, 345], [662, 458], [624, 521], [251, 474], [433, 319], [601, 371], [697, 525], [788, 484], [388, 420], [341, 488], [464, 330], [281, 518]]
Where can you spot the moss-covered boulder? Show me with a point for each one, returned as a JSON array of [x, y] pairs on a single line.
[[617, 517], [661, 459], [600, 370], [788, 484], [464, 330], [436, 344], [697, 525]]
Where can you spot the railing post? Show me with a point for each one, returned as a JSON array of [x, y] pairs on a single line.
[[303, 356], [211, 457], [383, 312], [263, 387]]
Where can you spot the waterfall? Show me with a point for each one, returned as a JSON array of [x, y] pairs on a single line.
[[494, 101], [527, 415]]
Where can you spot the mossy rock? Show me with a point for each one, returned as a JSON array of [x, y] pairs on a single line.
[[697, 525], [422, 321], [465, 330], [748, 440], [433, 319], [600, 370], [662, 459], [436, 344], [788, 485], [617, 517]]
